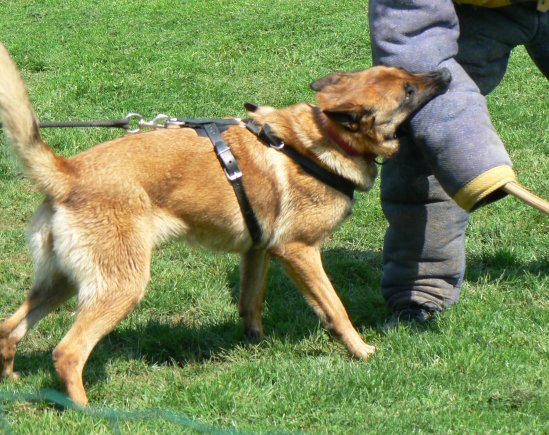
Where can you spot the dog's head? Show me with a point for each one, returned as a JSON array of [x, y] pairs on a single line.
[[365, 108]]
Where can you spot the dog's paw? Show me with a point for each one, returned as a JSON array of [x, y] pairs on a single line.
[[253, 335], [14, 376], [365, 352]]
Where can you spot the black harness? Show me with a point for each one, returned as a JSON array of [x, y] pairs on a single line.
[[212, 128], [234, 175], [335, 181]]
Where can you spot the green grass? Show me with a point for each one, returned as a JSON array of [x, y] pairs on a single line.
[[178, 362]]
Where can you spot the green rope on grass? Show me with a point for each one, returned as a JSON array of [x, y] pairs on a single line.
[[111, 414]]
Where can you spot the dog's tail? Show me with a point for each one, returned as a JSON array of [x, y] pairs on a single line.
[[49, 171]]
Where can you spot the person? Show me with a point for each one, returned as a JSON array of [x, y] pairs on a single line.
[[451, 159]]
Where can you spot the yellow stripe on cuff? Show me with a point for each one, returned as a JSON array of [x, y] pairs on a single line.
[[483, 185], [485, 3]]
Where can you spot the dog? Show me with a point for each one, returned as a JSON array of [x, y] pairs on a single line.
[[106, 208]]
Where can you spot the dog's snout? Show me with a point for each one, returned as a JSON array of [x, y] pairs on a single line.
[[438, 80], [445, 75]]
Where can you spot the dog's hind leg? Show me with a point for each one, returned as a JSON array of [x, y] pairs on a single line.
[[100, 309], [44, 297], [254, 268], [50, 289], [304, 265]]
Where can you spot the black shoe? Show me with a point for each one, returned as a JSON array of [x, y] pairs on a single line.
[[414, 315], [409, 316]]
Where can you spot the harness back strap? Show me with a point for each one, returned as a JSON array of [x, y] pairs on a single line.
[[339, 183], [200, 122], [335, 181], [234, 175]]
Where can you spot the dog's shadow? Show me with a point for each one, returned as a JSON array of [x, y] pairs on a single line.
[[354, 274]]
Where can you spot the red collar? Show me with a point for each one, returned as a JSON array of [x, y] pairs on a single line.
[[343, 144]]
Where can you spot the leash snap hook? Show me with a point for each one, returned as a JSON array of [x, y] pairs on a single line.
[[175, 122], [159, 121], [132, 117]]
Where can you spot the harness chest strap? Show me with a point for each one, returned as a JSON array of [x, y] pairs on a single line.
[[234, 175]]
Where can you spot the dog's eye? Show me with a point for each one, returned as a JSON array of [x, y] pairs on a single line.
[[409, 91]]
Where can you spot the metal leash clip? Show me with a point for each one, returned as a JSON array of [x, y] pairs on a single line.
[[159, 121], [131, 117]]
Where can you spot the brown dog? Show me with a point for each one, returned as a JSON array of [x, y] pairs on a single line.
[[106, 208]]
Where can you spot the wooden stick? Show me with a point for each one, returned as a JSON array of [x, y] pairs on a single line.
[[518, 191]]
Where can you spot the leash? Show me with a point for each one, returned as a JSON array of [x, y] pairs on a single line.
[[135, 123], [123, 123]]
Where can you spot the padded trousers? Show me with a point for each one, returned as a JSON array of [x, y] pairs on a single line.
[[451, 161]]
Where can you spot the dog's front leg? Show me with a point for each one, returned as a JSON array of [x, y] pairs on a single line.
[[254, 267], [303, 263]]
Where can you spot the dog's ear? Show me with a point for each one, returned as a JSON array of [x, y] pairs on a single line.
[[330, 79], [351, 118], [250, 107], [256, 112], [348, 120]]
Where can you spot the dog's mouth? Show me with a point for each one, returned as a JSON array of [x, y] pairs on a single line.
[[344, 144], [444, 79], [372, 128], [385, 148]]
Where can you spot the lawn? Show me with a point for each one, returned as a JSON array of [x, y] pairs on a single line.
[[179, 363]]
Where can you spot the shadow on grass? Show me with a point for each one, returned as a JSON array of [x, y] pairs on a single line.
[[286, 314], [504, 263], [355, 274]]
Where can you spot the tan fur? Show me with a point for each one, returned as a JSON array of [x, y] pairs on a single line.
[[106, 208]]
